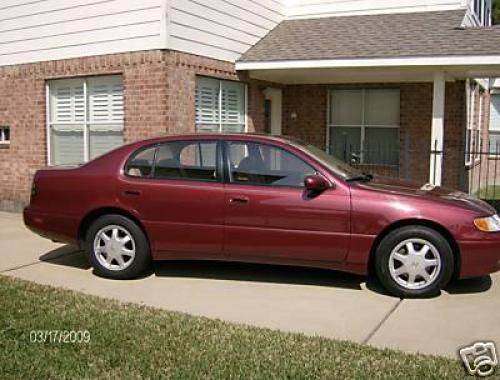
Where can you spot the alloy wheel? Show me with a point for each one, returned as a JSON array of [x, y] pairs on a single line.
[[114, 247], [414, 264]]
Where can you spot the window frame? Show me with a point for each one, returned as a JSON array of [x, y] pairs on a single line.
[[495, 132], [219, 171], [3, 136], [363, 125], [87, 123], [219, 101], [227, 165]]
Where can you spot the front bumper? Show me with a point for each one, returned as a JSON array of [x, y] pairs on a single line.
[[479, 258]]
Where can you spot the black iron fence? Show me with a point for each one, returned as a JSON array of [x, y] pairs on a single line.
[[474, 169]]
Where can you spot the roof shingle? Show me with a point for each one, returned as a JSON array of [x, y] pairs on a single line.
[[375, 36]]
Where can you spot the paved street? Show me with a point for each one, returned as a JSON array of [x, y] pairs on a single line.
[[314, 302]]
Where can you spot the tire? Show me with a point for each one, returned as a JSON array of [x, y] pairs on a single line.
[[129, 253], [405, 253]]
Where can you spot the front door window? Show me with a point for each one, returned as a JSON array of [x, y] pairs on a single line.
[[260, 164]]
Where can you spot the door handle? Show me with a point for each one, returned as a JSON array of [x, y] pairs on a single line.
[[239, 200], [132, 193]]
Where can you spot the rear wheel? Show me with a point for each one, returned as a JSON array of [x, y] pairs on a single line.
[[414, 261], [117, 247]]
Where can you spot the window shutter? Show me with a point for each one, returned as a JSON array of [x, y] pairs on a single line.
[[105, 100], [233, 106], [105, 96], [68, 102], [67, 121], [207, 104]]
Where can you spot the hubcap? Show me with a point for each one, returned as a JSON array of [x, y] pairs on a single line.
[[114, 248], [414, 263]]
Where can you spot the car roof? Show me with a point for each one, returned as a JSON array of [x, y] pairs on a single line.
[[261, 137]]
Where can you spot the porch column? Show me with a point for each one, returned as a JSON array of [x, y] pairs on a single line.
[[437, 131]]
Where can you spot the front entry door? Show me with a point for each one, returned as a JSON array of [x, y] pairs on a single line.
[[269, 215], [272, 107]]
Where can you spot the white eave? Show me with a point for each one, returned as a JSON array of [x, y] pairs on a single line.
[[466, 60]]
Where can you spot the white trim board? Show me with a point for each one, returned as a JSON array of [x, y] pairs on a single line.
[[371, 62]]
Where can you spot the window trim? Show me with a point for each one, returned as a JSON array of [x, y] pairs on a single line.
[[245, 103], [363, 125], [218, 162], [227, 165], [86, 123]]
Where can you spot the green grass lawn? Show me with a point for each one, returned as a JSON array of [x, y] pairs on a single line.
[[489, 192], [130, 341]]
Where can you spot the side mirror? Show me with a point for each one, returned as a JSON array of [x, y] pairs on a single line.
[[316, 183]]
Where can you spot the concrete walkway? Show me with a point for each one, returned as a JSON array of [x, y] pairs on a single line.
[[310, 301]]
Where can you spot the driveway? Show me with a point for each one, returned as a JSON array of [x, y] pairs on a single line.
[[310, 301]]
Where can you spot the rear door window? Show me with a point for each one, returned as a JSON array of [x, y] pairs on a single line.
[[192, 160]]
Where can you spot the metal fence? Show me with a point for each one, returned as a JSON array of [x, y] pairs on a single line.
[[475, 170], [483, 172]]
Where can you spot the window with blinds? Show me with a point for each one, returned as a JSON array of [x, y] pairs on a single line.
[[85, 118], [220, 105], [494, 130], [364, 125]]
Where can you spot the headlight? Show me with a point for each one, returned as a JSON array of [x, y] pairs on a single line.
[[489, 224]]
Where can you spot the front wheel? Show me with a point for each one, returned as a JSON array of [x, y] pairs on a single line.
[[117, 247], [414, 261]]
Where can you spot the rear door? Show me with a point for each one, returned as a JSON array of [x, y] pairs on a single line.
[[269, 214], [180, 198]]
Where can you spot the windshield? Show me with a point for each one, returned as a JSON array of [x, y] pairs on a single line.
[[334, 164]]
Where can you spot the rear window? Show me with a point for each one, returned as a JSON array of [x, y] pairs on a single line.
[[141, 163], [192, 160]]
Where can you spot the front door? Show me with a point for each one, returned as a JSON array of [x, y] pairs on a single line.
[[180, 199], [270, 216], [272, 110]]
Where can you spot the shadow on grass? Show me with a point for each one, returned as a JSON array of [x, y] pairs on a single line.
[[236, 271]]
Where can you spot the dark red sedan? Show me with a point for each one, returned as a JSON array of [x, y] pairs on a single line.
[[261, 199]]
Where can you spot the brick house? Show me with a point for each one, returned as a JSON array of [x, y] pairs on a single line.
[[389, 79]]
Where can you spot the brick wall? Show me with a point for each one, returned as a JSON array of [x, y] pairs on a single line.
[[159, 88], [415, 132], [455, 118], [22, 101], [308, 103], [484, 173], [304, 113]]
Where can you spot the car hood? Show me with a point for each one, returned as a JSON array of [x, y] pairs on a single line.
[[428, 192]]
